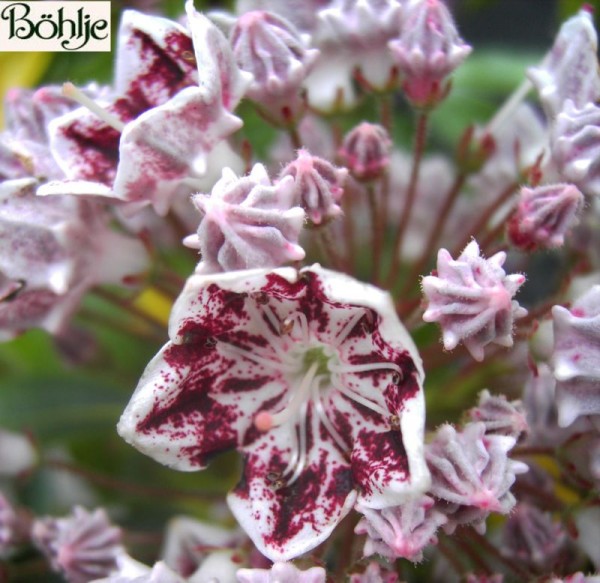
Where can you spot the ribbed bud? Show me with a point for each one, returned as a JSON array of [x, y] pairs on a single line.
[[366, 151]]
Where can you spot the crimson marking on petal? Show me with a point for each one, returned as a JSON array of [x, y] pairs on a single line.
[[167, 70]]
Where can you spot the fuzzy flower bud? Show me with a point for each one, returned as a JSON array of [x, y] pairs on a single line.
[[544, 216], [318, 186], [366, 151], [472, 472], [471, 299], [570, 70], [576, 356], [401, 531], [83, 546], [248, 222], [428, 50], [271, 49], [499, 415], [575, 146], [530, 536]]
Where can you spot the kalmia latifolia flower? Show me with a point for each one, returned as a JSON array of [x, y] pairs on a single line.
[[575, 146], [471, 299], [544, 215], [499, 415], [318, 186], [366, 151], [427, 51], [310, 374], [282, 572], [83, 546], [575, 357], [570, 69], [401, 531], [248, 222], [472, 473], [270, 48]]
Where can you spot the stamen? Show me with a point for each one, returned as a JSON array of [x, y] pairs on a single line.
[[322, 414], [69, 90], [300, 457], [271, 317], [343, 334], [237, 351], [354, 368], [273, 340], [358, 399]]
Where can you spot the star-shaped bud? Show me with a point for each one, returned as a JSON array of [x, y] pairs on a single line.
[[575, 146], [401, 531], [570, 69], [471, 299], [352, 35], [472, 472], [282, 572], [270, 48], [544, 215], [317, 186], [366, 151], [427, 51], [575, 357], [83, 546], [310, 374], [248, 222], [499, 415], [374, 573], [531, 537]]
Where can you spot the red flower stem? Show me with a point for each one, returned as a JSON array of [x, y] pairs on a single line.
[[451, 556], [328, 248], [348, 226], [111, 483], [467, 547], [411, 193], [493, 552], [484, 218], [292, 131], [385, 112], [377, 232], [434, 235]]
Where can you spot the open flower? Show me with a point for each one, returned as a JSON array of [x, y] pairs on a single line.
[[311, 375]]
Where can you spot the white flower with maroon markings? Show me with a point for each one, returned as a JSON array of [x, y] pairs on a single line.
[[310, 374]]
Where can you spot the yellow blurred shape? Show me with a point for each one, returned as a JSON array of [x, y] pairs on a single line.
[[155, 304], [20, 70]]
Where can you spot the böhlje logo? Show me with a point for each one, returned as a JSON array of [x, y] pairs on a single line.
[[55, 26]]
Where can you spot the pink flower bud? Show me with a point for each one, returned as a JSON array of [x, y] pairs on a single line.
[[428, 50], [366, 151], [471, 299], [248, 222], [318, 186], [575, 146], [499, 415], [271, 49], [544, 216]]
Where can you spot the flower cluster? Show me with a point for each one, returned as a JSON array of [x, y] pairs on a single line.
[[244, 181]]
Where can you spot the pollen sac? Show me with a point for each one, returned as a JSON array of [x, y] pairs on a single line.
[[248, 222], [544, 215], [83, 546], [472, 472], [272, 50], [366, 151], [317, 186], [570, 69], [575, 146], [575, 357], [427, 51], [471, 299], [401, 531]]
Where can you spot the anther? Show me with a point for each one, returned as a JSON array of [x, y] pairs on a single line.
[[188, 56], [13, 290], [396, 378], [210, 342], [394, 421], [286, 326], [261, 298]]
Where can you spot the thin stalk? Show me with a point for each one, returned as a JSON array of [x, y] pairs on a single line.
[[294, 137], [377, 233], [136, 489], [127, 306], [411, 193], [435, 234], [484, 217]]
